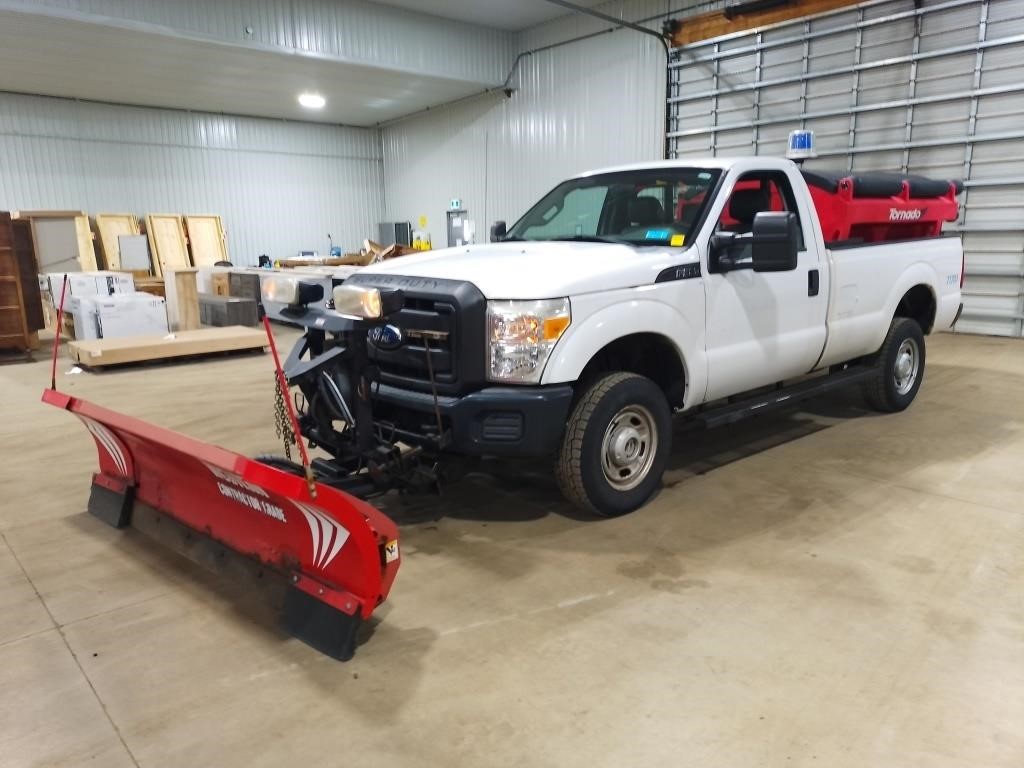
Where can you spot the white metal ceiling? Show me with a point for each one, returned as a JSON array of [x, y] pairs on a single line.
[[146, 65], [512, 15]]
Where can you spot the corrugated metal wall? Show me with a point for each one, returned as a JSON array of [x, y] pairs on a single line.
[[280, 187], [593, 103], [352, 29], [934, 89]]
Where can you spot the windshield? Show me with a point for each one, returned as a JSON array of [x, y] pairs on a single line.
[[654, 206]]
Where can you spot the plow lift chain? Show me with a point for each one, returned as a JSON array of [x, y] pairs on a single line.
[[282, 424]]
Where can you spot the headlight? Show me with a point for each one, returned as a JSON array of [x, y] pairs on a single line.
[[356, 301], [364, 303], [521, 335], [283, 290], [291, 291]]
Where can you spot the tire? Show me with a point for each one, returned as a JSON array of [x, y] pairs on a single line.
[[616, 445], [899, 368]]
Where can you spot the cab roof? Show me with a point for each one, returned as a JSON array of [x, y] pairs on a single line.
[[748, 162]]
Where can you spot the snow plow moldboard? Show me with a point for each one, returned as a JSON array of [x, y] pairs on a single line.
[[337, 554]]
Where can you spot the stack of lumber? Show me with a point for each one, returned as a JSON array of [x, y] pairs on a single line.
[[371, 253], [349, 259], [378, 252]]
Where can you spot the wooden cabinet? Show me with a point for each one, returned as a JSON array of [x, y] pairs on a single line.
[[21, 309]]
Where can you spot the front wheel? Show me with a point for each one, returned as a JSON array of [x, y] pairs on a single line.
[[899, 370], [616, 445]]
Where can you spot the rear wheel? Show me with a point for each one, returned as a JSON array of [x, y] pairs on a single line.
[[616, 445], [899, 369]]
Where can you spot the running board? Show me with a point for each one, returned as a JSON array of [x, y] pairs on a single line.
[[780, 398]]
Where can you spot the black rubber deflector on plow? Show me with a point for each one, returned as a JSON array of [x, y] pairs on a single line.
[[317, 624], [312, 621]]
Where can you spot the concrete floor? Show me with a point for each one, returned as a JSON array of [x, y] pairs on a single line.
[[828, 587]]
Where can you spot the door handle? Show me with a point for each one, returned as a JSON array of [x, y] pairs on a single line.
[[813, 283]]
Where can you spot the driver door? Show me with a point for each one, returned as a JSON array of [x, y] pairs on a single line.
[[762, 327]]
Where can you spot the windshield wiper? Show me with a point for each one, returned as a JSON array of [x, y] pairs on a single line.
[[586, 239], [512, 239]]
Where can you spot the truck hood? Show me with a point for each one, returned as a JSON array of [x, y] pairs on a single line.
[[537, 270]]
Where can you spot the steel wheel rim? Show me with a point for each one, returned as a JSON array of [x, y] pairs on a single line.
[[908, 364], [628, 448]]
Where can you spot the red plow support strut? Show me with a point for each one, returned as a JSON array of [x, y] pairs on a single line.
[[338, 554]]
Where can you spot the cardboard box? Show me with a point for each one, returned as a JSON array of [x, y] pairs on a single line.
[[227, 310], [103, 283], [247, 285], [83, 312], [137, 314], [119, 316]]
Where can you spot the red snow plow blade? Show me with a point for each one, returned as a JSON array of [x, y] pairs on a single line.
[[338, 554]]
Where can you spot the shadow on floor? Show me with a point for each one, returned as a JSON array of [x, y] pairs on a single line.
[[509, 491]]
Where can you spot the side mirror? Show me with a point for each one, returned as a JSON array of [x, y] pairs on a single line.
[[775, 241], [498, 231]]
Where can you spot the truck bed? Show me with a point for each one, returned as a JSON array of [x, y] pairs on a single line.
[[868, 280]]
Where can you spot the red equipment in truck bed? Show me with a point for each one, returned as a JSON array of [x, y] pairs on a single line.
[[869, 207], [877, 207]]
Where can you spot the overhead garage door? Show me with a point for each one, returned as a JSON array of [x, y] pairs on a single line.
[[936, 89]]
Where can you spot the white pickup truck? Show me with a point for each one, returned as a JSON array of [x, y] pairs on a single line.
[[703, 287]]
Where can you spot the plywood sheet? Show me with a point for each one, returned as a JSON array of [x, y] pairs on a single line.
[[95, 353], [206, 240], [110, 226]]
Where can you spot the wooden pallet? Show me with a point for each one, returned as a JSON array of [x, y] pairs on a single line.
[[96, 353], [206, 240], [110, 226], [167, 243], [77, 222]]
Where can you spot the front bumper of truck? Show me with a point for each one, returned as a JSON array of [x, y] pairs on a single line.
[[494, 421]]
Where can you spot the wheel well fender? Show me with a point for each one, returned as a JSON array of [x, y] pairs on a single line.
[[620, 338], [918, 283], [918, 303]]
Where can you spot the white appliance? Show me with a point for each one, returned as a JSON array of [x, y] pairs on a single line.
[[119, 315]]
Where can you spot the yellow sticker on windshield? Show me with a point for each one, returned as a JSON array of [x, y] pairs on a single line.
[[677, 240]]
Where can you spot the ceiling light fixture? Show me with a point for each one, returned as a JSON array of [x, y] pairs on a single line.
[[312, 100]]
